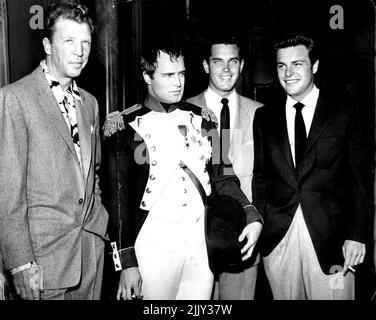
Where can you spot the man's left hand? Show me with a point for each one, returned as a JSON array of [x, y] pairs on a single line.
[[353, 252], [252, 232]]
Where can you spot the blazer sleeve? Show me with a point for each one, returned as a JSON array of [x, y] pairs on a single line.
[[359, 155], [1, 264], [258, 180], [15, 239], [224, 181], [122, 225]]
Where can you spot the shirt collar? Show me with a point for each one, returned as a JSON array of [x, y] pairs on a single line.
[[213, 96], [310, 100], [59, 93]]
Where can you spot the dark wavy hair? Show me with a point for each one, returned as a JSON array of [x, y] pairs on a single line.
[[221, 39], [70, 10], [150, 55], [296, 39]]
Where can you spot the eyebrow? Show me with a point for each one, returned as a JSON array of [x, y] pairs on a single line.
[[233, 58], [170, 73], [294, 61]]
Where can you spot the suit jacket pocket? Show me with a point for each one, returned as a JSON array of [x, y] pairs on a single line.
[[328, 152]]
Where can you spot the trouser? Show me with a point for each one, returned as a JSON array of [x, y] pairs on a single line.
[[90, 284], [237, 285], [173, 260], [294, 272]]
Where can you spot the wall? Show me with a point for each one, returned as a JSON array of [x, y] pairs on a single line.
[[25, 43]]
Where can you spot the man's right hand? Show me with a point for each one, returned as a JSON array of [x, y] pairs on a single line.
[[23, 282], [130, 283]]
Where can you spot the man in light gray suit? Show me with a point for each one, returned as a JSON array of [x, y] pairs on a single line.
[[52, 221], [223, 63]]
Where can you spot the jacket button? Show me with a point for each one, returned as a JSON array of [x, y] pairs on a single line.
[[143, 203], [154, 163], [80, 201], [152, 177], [148, 190]]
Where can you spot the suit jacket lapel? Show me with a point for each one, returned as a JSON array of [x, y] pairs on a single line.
[[241, 130], [320, 120], [49, 104], [282, 135], [84, 132]]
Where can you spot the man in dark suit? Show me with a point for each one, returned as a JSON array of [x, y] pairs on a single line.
[[52, 219], [312, 183]]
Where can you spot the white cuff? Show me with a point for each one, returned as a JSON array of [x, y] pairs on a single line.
[[23, 267]]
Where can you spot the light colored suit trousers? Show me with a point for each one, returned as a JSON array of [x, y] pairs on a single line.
[[294, 272]]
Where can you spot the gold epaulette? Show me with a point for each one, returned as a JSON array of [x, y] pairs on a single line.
[[115, 122], [209, 115]]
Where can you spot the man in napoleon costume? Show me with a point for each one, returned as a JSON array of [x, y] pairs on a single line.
[[159, 241]]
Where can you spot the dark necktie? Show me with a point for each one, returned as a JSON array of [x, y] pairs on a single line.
[[225, 132], [300, 135]]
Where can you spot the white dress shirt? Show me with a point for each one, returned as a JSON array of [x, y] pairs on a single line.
[[309, 101], [213, 102]]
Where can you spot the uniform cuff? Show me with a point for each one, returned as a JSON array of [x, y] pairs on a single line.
[[123, 258], [252, 215]]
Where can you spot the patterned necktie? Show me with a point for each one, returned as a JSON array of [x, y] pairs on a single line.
[[71, 119], [300, 135], [66, 101], [225, 132]]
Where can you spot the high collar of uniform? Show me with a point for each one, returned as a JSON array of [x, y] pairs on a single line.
[[155, 105]]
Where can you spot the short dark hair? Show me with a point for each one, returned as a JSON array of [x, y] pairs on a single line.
[[150, 55], [70, 10], [296, 39], [221, 39]]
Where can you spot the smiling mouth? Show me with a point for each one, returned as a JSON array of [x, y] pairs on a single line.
[[291, 81]]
